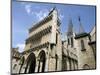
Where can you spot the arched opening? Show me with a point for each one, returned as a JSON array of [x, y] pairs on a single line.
[[21, 63], [42, 59], [82, 45], [31, 62], [56, 57], [86, 67]]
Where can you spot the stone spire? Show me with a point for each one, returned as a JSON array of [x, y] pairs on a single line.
[[70, 27], [54, 8], [81, 29]]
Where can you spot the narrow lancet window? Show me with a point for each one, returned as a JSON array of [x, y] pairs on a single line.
[[82, 45]]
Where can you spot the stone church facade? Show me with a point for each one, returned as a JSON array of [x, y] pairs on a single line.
[[79, 49], [45, 51]]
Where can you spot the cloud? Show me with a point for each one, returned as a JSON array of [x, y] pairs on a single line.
[[21, 47], [41, 14], [28, 8], [63, 36], [61, 16]]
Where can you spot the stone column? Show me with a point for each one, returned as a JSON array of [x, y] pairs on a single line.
[[41, 65], [59, 64], [52, 65], [23, 69], [72, 64], [68, 64], [52, 60], [76, 65], [46, 65], [28, 69], [37, 65]]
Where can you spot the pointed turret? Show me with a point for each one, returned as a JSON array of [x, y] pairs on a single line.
[[54, 8], [81, 29], [70, 28], [70, 33], [81, 32]]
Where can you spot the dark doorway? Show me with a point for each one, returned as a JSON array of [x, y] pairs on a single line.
[[42, 59], [31, 62]]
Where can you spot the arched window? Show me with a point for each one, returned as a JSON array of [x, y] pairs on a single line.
[[72, 42], [14, 66], [68, 41], [82, 45], [86, 67], [56, 57], [56, 38]]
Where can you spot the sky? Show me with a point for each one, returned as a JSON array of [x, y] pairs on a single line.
[[26, 14]]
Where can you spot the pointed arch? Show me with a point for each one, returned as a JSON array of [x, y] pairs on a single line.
[[42, 60], [86, 66], [31, 63]]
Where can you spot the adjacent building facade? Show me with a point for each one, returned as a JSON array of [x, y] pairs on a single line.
[[15, 60], [45, 51]]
